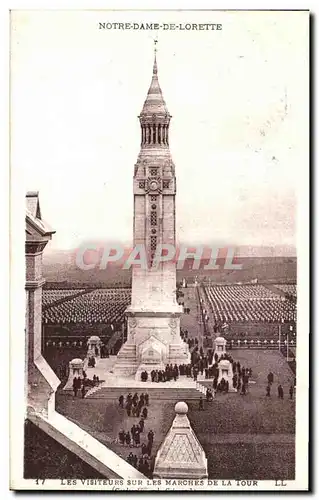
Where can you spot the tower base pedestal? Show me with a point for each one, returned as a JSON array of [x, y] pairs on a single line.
[[130, 361], [153, 342]]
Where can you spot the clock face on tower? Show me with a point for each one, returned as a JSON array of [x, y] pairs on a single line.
[[153, 186]]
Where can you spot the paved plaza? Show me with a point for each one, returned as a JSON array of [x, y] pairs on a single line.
[[253, 434]]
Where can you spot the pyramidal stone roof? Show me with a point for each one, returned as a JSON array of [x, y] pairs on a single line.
[[181, 454], [33, 214], [154, 102]]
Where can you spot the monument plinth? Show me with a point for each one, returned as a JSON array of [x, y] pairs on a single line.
[[220, 346], [76, 368], [153, 326], [225, 371]]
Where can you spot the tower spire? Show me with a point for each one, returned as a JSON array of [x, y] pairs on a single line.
[[154, 117], [155, 61]]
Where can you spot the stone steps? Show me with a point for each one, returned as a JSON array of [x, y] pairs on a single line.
[[170, 394]]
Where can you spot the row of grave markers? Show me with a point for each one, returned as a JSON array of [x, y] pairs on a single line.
[[258, 342], [80, 343]]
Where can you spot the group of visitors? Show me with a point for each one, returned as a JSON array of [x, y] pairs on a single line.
[[81, 384], [143, 464], [144, 376], [210, 394], [170, 373], [104, 352], [134, 405], [78, 385], [184, 334], [240, 377], [280, 390], [192, 342], [133, 438]]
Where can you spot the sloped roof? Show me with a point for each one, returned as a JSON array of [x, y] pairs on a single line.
[[180, 454], [154, 102], [33, 214]]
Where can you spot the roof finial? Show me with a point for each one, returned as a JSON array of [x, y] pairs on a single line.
[[155, 62]]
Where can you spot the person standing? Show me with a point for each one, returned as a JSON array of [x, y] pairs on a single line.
[[280, 392], [83, 391], [150, 437], [268, 390], [291, 391], [144, 413], [122, 437], [128, 439], [133, 429], [128, 408], [141, 424], [75, 386], [137, 439]]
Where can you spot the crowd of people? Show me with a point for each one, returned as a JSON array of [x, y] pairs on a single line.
[[144, 463], [170, 373], [136, 406], [240, 379], [280, 390], [199, 363], [80, 385]]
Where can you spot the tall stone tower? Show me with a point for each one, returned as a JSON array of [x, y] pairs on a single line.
[[154, 316]]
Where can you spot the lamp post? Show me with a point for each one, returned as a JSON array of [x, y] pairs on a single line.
[[281, 321], [279, 333], [290, 329]]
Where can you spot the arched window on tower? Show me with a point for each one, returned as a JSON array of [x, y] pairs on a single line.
[[149, 134], [154, 134], [159, 134], [164, 134]]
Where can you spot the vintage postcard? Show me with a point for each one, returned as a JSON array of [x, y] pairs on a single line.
[[159, 250]]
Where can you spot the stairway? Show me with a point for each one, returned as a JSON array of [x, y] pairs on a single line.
[[126, 363], [155, 393]]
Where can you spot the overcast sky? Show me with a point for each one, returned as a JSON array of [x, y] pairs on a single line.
[[238, 98]]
